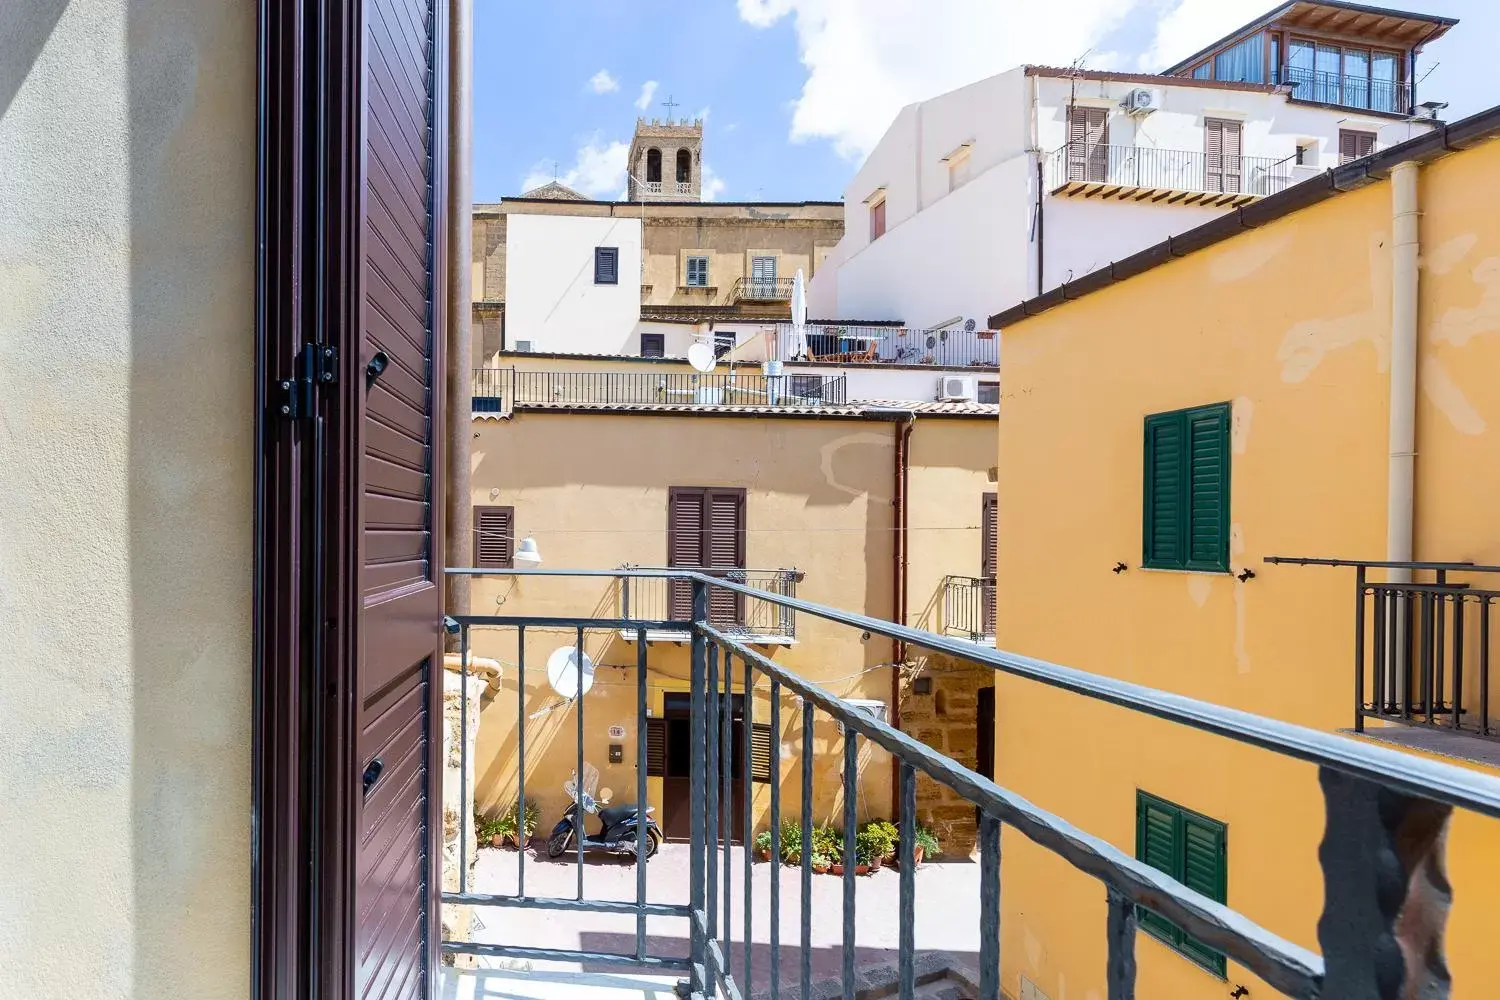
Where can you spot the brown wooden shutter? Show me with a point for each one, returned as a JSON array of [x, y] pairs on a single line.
[[725, 547], [706, 530], [1354, 144], [989, 542], [763, 752], [494, 537], [686, 520], [656, 748], [1088, 144], [1223, 151]]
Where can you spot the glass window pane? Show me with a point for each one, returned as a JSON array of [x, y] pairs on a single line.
[[1300, 68], [1385, 92], [1204, 72], [1326, 84], [1243, 62], [1275, 58], [1357, 78]]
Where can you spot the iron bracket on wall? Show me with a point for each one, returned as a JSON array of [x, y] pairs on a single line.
[[317, 364]]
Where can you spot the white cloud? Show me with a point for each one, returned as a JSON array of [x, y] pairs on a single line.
[[598, 171], [713, 184], [703, 115], [648, 91], [866, 59], [602, 83], [1192, 24]]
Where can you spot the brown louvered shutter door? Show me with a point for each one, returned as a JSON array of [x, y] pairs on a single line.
[[1222, 147], [685, 531], [763, 752], [989, 539], [725, 546], [1088, 144], [494, 537], [1354, 144], [656, 748]]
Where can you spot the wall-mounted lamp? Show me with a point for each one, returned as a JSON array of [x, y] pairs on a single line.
[[528, 556]]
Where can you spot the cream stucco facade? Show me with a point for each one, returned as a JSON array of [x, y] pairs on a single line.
[[126, 318]]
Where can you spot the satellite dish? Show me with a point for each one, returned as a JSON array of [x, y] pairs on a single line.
[[969, 325], [701, 357], [563, 672]]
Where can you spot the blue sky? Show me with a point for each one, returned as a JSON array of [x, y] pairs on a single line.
[[795, 92]]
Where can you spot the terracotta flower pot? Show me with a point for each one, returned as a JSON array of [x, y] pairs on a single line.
[[765, 854], [496, 840], [836, 868], [875, 865], [821, 869], [861, 869], [916, 855]]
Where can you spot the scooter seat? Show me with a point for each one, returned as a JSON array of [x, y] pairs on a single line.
[[612, 815]]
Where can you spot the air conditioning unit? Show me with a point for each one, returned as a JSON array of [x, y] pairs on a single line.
[[1139, 101], [956, 389], [875, 709], [523, 346]]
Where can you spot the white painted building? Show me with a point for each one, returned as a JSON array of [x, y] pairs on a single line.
[[573, 281], [977, 199]]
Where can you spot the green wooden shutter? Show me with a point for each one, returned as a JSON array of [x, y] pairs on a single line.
[[1204, 870], [1208, 488], [1165, 479], [1158, 844]]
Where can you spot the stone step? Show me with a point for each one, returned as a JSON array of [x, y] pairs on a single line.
[[938, 978]]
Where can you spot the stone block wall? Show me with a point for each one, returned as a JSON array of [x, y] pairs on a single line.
[[946, 719]]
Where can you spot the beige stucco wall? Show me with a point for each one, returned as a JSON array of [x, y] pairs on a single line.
[[126, 268]]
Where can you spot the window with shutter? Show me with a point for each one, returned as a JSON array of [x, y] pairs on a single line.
[[1194, 850], [706, 530], [1222, 161], [494, 537], [653, 345], [656, 748], [988, 544], [1088, 144], [877, 220], [697, 272], [1354, 144], [763, 752], [1185, 508], [763, 270], [606, 265]]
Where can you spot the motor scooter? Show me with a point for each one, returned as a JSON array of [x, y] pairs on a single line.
[[618, 824]]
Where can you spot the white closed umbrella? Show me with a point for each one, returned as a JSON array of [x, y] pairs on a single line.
[[798, 346]]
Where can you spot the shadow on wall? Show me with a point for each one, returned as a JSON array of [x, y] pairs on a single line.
[[192, 87], [22, 42]]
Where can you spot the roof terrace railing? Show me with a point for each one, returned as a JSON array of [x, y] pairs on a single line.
[[1385, 897]]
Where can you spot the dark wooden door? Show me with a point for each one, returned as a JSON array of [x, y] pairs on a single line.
[[394, 506], [706, 530], [984, 721], [676, 806]]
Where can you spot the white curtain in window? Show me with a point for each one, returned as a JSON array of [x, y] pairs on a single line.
[[1243, 62], [1384, 94]]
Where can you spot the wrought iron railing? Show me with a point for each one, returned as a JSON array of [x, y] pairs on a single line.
[[499, 390], [1382, 854], [969, 607], [856, 344], [1348, 91], [1423, 647], [1145, 167], [759, 290], [657, 598]]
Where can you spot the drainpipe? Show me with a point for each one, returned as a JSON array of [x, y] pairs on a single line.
[[458, 503], [1041, 231], [1400, 487], [902, 476]]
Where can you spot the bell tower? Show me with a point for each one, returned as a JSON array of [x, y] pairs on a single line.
[[666, 160]]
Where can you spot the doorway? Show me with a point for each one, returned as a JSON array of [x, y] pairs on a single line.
[[676, 800], [984, 721]]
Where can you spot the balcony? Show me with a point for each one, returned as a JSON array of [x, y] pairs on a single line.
[[897, 345], [1164, 176], [653, 187], [759, 290], [658, 599], [969, 608], [502, 390], [684, 187], [1363, 92], [1382, 856]]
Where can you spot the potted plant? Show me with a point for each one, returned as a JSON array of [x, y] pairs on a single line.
[[502, 828], [820, 863], [791, 842], [927, 845], [885, 836], [763, 845], [869, 851], [489, 830]]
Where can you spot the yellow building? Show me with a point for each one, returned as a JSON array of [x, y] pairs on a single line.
[[1168, 424], [805, 498]]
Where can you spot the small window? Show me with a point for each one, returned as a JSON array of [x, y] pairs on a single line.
[[1186, 503], [807, 388], [958, 170], [1194, 850], [697, 272], [494, 537], [653, 166], [653, 345], [723, 342], [1354, 144], [684, 167], [877, 219], [1307, 154], [606, 265], [989, 392]]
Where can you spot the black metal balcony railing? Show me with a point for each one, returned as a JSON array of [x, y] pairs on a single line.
[[759, 290], [499, 390], [657, 598], [855, 344], [969, 607], [1386, 897], [1348, 91], [1143, 168], [1422, 648]]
